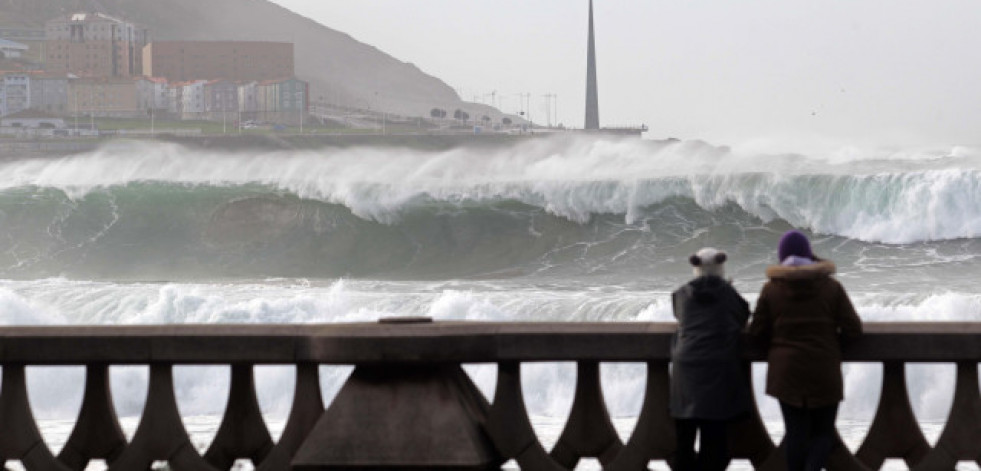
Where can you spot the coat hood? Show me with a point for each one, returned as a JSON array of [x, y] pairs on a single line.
[[801, 282], [821, 269]]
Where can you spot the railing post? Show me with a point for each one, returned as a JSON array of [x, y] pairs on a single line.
[[402, 416], [392, 416]]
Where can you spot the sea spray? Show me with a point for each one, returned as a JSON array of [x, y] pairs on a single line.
[[164, 212]]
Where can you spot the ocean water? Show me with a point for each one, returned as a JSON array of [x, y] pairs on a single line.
[[547, 230]]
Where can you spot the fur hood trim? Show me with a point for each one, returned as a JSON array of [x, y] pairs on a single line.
[[820, 269]]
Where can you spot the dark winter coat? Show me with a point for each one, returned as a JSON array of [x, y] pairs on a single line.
[[801, 317], [708, 380]]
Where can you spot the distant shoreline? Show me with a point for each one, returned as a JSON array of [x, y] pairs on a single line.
[[35, 148]]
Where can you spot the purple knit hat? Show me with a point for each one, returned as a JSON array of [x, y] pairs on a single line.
[[794, 243]]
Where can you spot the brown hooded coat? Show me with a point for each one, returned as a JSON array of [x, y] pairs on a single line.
[[802, 316]]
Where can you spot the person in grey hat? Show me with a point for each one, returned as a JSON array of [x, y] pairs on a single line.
[[709, 383]]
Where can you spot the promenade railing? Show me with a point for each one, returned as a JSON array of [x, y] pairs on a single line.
[[409, 405]]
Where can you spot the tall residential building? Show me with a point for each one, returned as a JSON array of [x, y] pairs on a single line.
[[93, 45], [179, 61]]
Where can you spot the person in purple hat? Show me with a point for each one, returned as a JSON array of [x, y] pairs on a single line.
[[801, 317]]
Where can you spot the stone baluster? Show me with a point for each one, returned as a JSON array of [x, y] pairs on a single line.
[[97, 434], [161, 435], [242, 433], [19, 435], [308, 407], [961, 438], [589, 432], [653, 436], [509, 425], [894, 432]]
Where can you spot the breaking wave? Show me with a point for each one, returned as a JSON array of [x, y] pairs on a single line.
[[547, 206]]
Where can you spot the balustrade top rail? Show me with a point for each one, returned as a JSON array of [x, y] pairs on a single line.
[[432, 342]]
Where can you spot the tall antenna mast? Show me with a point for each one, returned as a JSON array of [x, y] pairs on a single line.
[[592, 98]]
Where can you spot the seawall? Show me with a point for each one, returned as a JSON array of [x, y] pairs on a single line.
[[265, 142]]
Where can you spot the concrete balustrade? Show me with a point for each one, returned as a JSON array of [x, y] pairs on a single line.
[[409, 405]]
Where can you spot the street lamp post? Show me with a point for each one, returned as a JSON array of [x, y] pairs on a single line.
[[76, 111]]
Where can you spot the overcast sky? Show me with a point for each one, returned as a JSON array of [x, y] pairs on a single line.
[[862, 72]]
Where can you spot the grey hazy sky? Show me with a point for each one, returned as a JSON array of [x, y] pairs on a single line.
[[863, 72]]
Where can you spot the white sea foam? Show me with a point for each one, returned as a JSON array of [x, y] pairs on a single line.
[[18, 310], [549, 388]]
